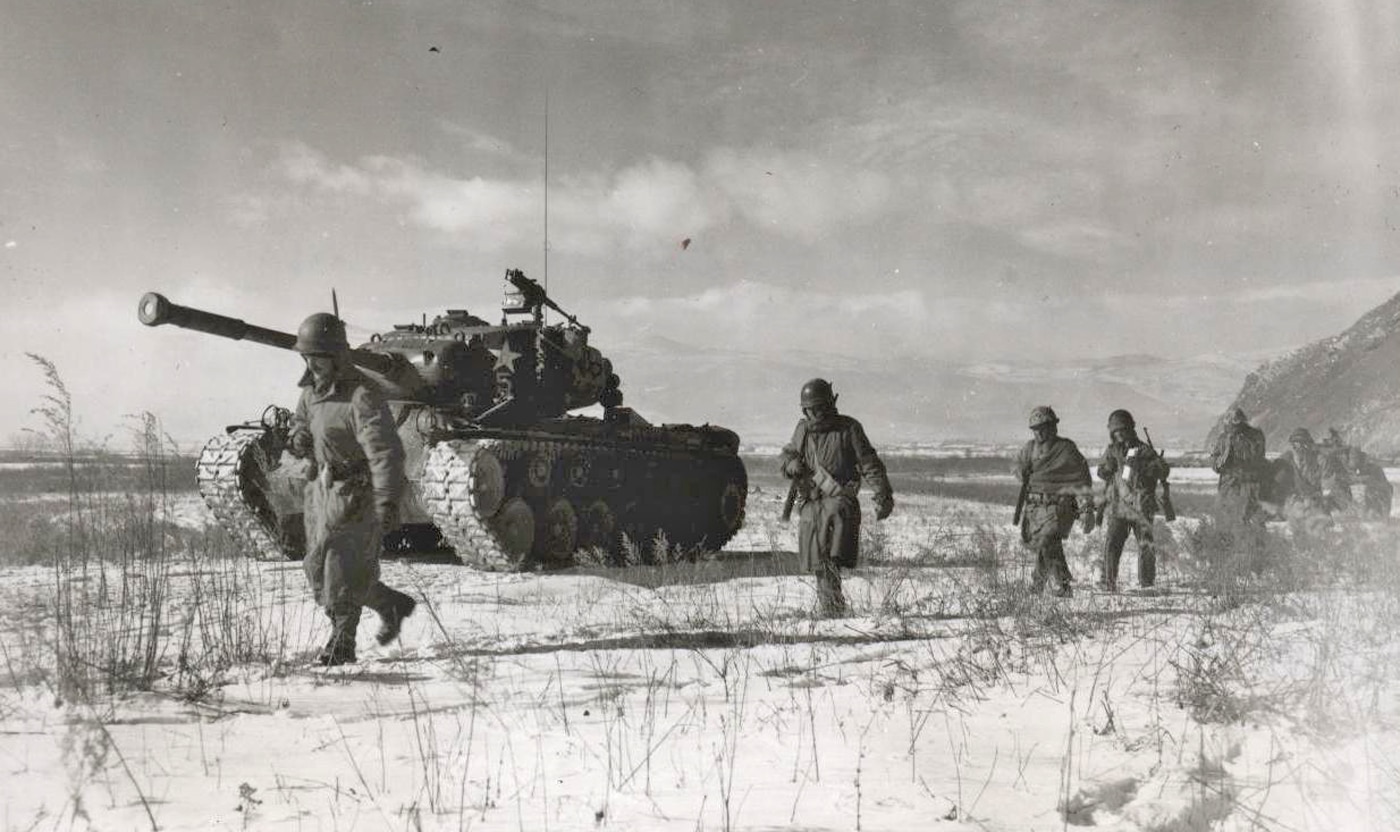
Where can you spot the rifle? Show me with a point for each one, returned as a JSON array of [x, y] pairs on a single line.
[[790, 499], [1168, 510], [1021, 501]]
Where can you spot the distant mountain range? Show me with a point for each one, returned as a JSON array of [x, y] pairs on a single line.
[[1349, 381], [905, 400]]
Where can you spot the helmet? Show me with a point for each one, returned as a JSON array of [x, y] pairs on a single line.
[[1042, 415], [1120, 420], [321, 333], [1237, 417], [817, 391], [1300, 435]]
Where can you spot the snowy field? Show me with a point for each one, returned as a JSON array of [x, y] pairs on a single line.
[[705, 696]]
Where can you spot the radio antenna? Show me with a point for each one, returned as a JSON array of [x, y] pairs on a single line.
[[546, 188]]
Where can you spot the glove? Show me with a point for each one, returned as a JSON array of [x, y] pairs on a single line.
[[795, 467], [300, 445], [884, 505], [388, 517]]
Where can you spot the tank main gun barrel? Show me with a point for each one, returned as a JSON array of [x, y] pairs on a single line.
[[155, 310]]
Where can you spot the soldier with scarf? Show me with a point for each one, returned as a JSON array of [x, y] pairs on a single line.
[[1056, 488]]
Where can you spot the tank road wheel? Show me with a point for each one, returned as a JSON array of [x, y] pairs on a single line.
[[486, 483], [514, 526], [732, 497], [731, 508], [464, 489], [598, 527], [559, 536]]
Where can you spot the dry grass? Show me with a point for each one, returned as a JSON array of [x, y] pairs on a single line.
[[137, 603]]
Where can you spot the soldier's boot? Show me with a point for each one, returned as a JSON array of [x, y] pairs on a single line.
[[1147, 567], [1109, 581], [1060, 568], [340, 649], [392, 607], [831, 601], [1039, 576]]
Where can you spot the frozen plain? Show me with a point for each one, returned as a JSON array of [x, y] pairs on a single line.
[[706, 696]]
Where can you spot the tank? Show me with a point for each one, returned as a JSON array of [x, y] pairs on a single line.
[[499, 468]]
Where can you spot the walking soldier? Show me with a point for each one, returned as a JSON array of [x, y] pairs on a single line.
[[1131, 470], [345, 427], [827, 459], [1238, 457], [1055, 488]]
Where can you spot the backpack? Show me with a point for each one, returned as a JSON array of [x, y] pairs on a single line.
[[1247, 450]]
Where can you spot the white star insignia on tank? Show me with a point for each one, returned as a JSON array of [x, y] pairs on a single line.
[[505, 356]]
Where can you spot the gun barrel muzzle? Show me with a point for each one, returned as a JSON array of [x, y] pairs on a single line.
[[155, 310]]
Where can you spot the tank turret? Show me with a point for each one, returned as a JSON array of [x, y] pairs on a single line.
[[511, 373], [497, 466]]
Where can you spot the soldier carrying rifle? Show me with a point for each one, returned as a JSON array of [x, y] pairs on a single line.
[[1131, 470], [827, 458]]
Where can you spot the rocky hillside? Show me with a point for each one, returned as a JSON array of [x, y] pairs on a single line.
[[1350, 381]]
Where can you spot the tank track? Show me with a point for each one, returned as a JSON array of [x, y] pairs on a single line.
[[509, 503], [447, 488], [231, 476]]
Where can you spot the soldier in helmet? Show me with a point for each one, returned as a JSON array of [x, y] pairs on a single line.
[[827, 459], [1131, 470], [1239, 458], [1301, 470], [345, 427], [1336, 480], [1376, 491], [1057, 488]]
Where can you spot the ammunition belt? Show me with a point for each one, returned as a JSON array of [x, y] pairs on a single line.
[[1041, 498]]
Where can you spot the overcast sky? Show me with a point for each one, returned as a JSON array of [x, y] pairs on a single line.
[[977, 180]]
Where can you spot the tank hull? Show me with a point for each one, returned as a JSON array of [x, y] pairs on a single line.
[[535, 496]]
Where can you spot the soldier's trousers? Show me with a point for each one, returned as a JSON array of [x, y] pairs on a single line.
[[343, 539], [1116, 536], [1044, 526], [828, 537], [1237, 501]]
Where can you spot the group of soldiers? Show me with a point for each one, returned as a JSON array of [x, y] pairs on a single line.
[[344, 425], [1057, 490], [829, 455], [1308, 478]]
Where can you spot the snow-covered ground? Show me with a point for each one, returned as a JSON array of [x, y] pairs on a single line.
[[706, 696]]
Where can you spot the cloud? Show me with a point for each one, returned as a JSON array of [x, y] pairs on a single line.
[[797, 194], [886, 318], [643, 207]]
